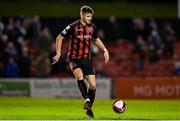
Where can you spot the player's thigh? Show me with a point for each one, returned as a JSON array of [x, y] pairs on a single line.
[[75, 67], [92, 81], [78, 73]]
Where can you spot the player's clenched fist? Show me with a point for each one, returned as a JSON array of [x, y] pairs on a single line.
[[56, 59]]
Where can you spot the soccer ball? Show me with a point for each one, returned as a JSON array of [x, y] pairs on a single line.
[[119, 106]]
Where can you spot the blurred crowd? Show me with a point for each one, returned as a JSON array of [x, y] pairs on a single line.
[[27, 46], [152, 40], [24, 47]]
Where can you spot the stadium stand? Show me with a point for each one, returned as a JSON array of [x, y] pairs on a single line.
[[27, 45]]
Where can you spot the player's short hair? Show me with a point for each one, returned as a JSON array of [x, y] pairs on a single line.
[[86, 9]]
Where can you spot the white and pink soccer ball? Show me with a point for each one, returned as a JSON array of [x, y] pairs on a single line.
[[119, 106]]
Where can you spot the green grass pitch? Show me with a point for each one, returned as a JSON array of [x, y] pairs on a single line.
[[71, 109]]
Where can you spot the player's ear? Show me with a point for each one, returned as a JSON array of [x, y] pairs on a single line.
[[81, 14]]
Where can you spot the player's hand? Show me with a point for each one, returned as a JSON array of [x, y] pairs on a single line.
[[106, 55], [55, 59]]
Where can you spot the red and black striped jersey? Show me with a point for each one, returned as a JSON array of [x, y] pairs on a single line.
[[80, 37]]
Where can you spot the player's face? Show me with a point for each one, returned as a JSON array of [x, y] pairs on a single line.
[[87, 17]]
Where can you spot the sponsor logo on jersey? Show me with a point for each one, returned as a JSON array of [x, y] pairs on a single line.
[[84, 37]]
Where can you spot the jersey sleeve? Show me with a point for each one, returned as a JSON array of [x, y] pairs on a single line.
[[95, 35], [67, 31]]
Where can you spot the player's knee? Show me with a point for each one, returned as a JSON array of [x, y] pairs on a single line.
[[79, 78], [78, 74], [92, 86]]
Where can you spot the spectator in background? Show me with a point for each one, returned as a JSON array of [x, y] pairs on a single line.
[[24, 62], [11, 49], [26, 24], [9, 30], [168, 38], [154, 42], [112, 29], [11, 68], [7, 52], [139, 53], [102, 35], [3, 43], [137, 29], [43, 65], [19, 33], [35, 29], [45, 39]]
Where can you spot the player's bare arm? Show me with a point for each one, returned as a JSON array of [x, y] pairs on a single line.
[[100, 44], [59, 39]]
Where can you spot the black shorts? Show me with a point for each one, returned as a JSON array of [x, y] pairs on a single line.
[[84, 64]]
